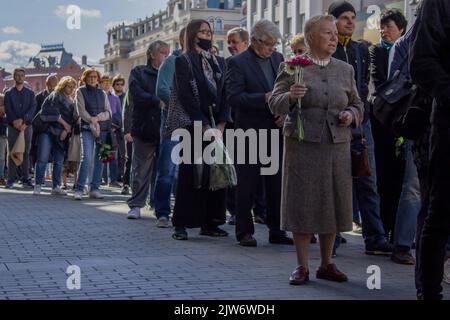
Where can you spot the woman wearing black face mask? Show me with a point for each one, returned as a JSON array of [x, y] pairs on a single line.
[[197, 206]]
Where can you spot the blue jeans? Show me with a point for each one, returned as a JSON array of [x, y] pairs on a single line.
[[46, 146], [409, 204], [166, 176], [368, 199], [88, 156]]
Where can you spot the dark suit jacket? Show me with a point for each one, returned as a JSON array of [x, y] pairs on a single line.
[[182, 79], [146, 112], [246, 90], [379, 64], [15, 110]]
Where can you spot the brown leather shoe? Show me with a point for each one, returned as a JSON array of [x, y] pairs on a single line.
[[331, 273], [299, 276]]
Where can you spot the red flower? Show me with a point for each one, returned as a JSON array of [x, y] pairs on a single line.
[[300, 61]]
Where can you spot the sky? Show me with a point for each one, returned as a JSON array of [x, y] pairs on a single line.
[[26, 24]]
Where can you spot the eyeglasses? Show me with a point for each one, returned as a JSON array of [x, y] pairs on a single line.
[[206, 32], [299, 51], [119, 84], [270, 45]]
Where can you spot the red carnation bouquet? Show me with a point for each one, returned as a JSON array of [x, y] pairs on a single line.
[[295, 67], [106, 153]]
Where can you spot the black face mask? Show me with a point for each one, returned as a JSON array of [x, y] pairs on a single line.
[[205, 44]]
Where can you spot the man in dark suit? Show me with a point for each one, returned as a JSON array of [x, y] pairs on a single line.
[[250, 80], [238, 42]]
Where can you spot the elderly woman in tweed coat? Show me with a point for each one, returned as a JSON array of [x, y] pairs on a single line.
[[317, 178]]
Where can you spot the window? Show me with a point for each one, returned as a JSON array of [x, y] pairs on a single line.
[[218, 25], [211, 22]]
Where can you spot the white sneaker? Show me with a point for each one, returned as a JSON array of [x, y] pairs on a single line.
[[134, 214], [37, 190], [78, 195], [58, 191], [162, 222], [96, 194]]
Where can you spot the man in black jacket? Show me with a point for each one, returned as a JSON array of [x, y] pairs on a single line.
[[145, 124], [250, 80], [20, 107], [368, 200], [430, 69]]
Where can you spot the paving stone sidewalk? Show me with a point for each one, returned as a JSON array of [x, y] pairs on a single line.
[[40, 236]]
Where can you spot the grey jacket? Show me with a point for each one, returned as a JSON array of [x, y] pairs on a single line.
[[331, 89]]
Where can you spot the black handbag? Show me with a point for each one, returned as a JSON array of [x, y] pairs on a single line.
[[401, 106], [39, 126]]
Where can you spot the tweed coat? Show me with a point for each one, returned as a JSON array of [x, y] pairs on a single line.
[[317, 181]]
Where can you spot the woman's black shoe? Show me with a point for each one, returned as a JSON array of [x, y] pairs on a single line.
[[214, 232], [180, 234]]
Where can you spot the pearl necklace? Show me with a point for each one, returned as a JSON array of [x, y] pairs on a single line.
[[319, 62]]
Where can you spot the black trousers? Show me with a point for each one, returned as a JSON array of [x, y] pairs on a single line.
[[421, 158], [260, 207], [249, 177], [436, 228], [128, 160], [390, 173]]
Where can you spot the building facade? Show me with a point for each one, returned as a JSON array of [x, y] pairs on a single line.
[[51, 60], [3, 75], [127, 44], [290, 15]]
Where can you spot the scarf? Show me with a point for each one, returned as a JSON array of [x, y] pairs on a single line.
[[208, 71], [386, 45], [344, 40]]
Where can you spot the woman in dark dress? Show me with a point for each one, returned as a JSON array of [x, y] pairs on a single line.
[[198, 206], [390, 164]]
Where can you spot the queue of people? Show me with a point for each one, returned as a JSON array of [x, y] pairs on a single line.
[[319, 106]]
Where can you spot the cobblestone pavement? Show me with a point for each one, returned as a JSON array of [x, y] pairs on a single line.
[[40, 236]]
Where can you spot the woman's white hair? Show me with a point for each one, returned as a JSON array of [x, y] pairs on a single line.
[[265, 30], [312, 25]]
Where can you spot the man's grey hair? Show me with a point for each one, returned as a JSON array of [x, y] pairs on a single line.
[[264, 30], [312, 24], [243, 34], [154, 47]]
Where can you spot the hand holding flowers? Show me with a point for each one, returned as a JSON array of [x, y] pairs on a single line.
[[296, 68]]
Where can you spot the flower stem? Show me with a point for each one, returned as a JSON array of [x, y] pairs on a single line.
[[300, 128]]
